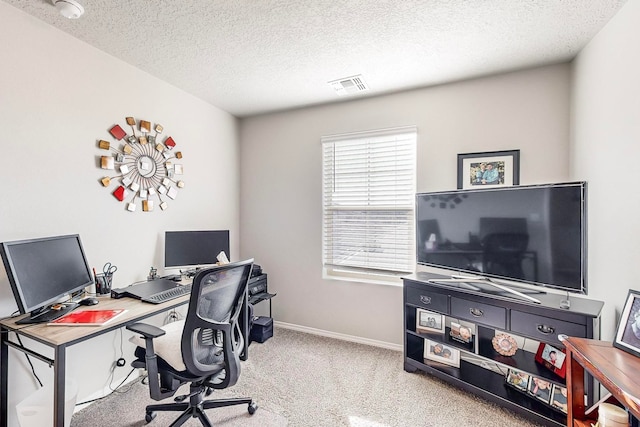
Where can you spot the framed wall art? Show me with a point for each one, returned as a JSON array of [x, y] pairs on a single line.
[[143, 165], [628, 332], [489, 169]]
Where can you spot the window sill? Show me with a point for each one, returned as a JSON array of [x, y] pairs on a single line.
[[370, 278]]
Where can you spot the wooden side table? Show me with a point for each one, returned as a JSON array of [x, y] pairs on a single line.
[[617, 370]]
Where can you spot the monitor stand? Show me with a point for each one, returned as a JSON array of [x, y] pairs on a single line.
[[470, 280], [47, 314]]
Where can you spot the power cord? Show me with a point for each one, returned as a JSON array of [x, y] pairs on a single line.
[[33, 369], [115, 390]]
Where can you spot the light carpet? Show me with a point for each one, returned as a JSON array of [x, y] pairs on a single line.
[[304, 380]]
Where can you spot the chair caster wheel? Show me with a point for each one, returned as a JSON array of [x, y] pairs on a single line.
[[253, 407], [208, 392], [150, 416]]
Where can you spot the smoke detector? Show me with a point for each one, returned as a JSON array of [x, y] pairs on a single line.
[[70, 9], [349, 85]]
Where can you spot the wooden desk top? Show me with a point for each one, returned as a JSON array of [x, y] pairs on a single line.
[[615, 369], [55, 336]]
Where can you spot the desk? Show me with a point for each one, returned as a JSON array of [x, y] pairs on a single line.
[[59, 338]]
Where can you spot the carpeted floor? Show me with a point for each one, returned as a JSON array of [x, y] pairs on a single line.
[[303, 380]]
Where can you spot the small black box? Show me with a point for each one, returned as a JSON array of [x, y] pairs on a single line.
[[262, 328]]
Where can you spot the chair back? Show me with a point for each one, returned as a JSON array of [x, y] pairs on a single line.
[[212, 337]]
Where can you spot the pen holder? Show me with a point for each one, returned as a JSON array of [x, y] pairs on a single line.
[[103, 283]]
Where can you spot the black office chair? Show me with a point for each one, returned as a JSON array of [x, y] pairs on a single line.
[[203, 350]]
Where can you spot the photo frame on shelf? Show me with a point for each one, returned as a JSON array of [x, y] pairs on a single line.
[[540, 389], [518, 379], [439, 352], [461, 334], [428, 321], [628, 332], [559, 398], [489, 169], [552, 358], [504, 344]]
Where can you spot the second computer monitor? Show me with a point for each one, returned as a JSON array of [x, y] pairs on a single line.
[[194, 248]]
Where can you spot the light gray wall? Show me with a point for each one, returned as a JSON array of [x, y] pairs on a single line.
[[58, 96], [281, 194], [605, 151]]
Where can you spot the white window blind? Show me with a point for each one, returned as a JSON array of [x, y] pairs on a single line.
[[368, 202]]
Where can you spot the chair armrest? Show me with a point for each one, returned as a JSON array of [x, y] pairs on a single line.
[[147, 331]]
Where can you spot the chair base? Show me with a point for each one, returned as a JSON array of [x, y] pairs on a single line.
[[191, 410]]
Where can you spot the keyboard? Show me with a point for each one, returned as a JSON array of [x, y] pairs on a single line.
[[168, 295]]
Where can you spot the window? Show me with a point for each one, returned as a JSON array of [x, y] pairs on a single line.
[[368, 204]]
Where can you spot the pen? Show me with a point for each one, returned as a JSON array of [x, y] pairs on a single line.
[[95, 280]]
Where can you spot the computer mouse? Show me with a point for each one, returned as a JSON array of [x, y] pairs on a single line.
[[88, 301]]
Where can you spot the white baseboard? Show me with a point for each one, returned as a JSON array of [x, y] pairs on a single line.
[[343, 337]]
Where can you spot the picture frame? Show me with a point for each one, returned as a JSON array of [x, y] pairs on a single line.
[[439, 352], [552, 358], [559, 398], [628, 331], [518, 379], [461, 334], [428, 321], [489, 169], [504, 344], [540, 389]]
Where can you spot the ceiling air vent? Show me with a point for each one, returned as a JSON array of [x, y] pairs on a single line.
[[349, 85]]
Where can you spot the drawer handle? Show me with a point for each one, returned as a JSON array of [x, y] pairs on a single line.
[[425, 299], [546, 330], [476, 312]]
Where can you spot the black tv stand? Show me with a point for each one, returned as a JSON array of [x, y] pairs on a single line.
[[480, 369], [47, 314]]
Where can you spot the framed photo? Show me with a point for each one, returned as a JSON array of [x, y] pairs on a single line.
[[442, 353], [628, 333], [504, 344], [463, 333], [428, 321], [490, 169], [540, 389], [551, 358], [559, 398], [518, 379]]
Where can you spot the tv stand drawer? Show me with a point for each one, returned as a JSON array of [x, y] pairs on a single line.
[[544, 328], [478, 312], [427, 299]]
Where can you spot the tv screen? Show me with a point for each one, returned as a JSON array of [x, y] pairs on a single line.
[[44, 270], [194, 248], [534, 235]]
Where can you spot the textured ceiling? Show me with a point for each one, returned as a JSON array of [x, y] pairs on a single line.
[[253, 56]]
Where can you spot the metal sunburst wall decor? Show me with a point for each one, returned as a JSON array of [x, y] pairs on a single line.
[[147, 166]]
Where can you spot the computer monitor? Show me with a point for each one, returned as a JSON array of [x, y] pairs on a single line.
[[45, 270], [193, 249]]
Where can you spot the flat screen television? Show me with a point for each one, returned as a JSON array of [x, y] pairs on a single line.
[[44, 271], [193, 249], [534, 235]]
